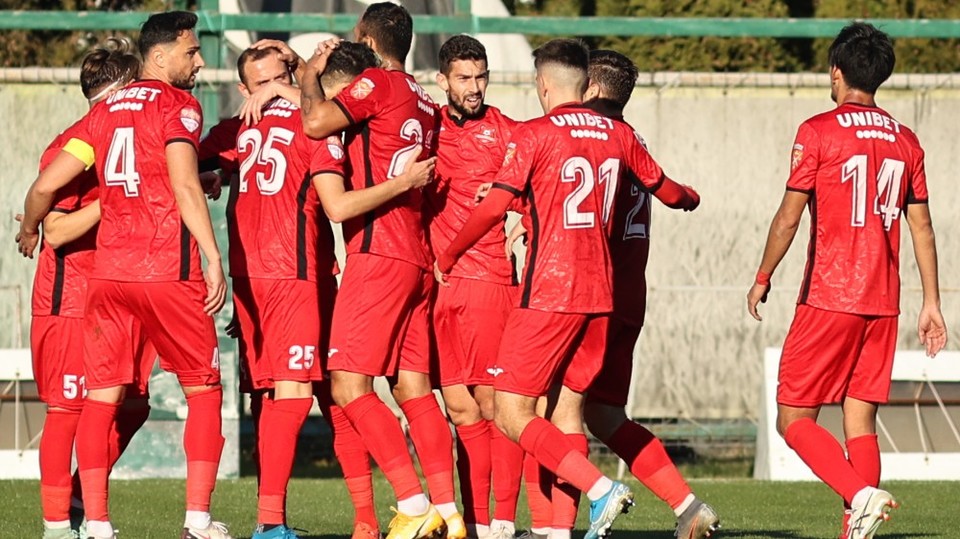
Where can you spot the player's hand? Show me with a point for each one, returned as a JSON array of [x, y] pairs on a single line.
[[216, 288], [318, 62], [439, 275], [417, 174], [233, 328], [26, 241], [212, 184], [515, 234], [932, 330], [694, 198], [482, 192], [287, 55], [251, 112], [757, 294]]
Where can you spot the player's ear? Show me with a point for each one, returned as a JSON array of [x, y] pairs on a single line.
[[243, 89], [442, 82], [593, 91]]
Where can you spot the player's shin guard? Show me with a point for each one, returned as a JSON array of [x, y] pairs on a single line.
[[279, 429], [93, 456], [434, 445], [649, 462], [564, 497], [551, 449], [538, 480], [56, 455], [473, 466], [506, 463], [384, 439], [203, 445], [824, 455], [131, 416]]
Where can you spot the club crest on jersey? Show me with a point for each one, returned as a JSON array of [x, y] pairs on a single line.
[[190, 118], [511, 151], [362, 88], [796, 157], [486, 134], [335, 150]]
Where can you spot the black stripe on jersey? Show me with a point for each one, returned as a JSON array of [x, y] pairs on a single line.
[[184, 252], [534, 248], [811, 252], [370, 216], [804, 191], [182, 139], [344, 110], [508, 188], [60, 210], [302, 227], [58, 276], [912, 197], [319, 172], [657, 185]]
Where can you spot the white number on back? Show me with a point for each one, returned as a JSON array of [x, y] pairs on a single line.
[[411, 131], [121, 168], [888, 189], [264, 154], [579, 169], [637, 229], [74, 386], [301, 357]]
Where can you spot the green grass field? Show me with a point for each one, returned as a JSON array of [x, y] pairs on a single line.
[[749, 509]]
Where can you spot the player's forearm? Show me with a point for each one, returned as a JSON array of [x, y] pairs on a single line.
[[36, 205], [60, 229], [673, 195], [925, 251], [349, 204], [196, 217], [779, 239], [311, 97], [488, 214], [290, 93]]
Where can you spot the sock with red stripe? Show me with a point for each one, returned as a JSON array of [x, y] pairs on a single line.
[[551, 449], [539, 481], [433, 442], [93, 456], [564, 497], [649, 462], [354, 462], [824, 455], [506, 462], [381, 433], [56, 456], [473, 466], [203, 445], [280, 427]]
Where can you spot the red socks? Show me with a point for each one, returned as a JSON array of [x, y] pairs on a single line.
[[863, 453], [824, 455], [473, 466], [551, 449], [649, 462], [565, 497], [506, 462], [433, 442], [354, 461], [381, 433], [203, 444], [56, 455], [93, 456], [538, 480], [280, 425]]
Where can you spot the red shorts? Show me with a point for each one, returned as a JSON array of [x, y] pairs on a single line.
[[468, 320], [381, 317], [612, 384], [280, 330], [171, 316], [829, 355], [541, 348]]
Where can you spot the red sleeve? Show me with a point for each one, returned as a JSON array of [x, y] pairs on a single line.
[[676, 196], [327, 156], [365, 96], [517, 163], [804, 160], [486, 216], [183, 121], [917, 193], [639, 161], [218, 149]]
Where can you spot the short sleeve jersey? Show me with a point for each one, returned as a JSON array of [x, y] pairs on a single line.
[[390, 115], [470, 153], [142, 236], [568, 166], [277, 229], [861, 169], [60, 282], [218, 149]]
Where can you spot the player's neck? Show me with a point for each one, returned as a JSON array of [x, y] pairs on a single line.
[[857, 97], [152, 72], [391, 64]]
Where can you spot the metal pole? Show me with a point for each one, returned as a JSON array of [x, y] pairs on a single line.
[[211, 36]]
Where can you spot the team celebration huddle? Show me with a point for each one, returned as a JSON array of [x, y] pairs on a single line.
[[429, 295]]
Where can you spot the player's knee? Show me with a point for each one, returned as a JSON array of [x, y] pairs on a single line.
[[346, 389], [603, 420], [487, 408]]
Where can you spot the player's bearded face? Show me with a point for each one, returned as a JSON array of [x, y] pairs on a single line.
[[466, 86], [184, 61]]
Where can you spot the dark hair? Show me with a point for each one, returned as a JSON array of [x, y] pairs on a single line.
[[461, 47], [864, 56], [615, 73], [163, 28], [252, 55], [566, 52], [391, 26], [113, 61], [349, 60]]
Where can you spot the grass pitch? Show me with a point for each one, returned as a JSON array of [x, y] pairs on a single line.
[[748, 509]]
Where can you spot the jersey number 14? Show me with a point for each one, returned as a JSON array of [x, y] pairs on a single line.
[[889, 177]]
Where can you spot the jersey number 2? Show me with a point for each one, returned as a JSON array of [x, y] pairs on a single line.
[[888, 189], [579, 168], [121, 169]]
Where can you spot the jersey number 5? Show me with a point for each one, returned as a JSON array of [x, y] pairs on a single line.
[[264, 154], [579, 168], [888, 189], [121, 169]]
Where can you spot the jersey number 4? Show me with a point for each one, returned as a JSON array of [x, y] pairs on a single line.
[[888, 189], [579, 169], [121, 168], [265, 154]]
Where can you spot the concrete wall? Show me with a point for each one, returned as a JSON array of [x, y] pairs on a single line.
[[700, 354]]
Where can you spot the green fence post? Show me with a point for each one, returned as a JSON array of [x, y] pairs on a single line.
[[211, 36]]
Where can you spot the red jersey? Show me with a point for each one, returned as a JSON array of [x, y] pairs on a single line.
[[469, 153], [218, 149], [630, 249], [390, 115], [861, 168], [277, 230], [60, 283], [568, 165], [142, 237]]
